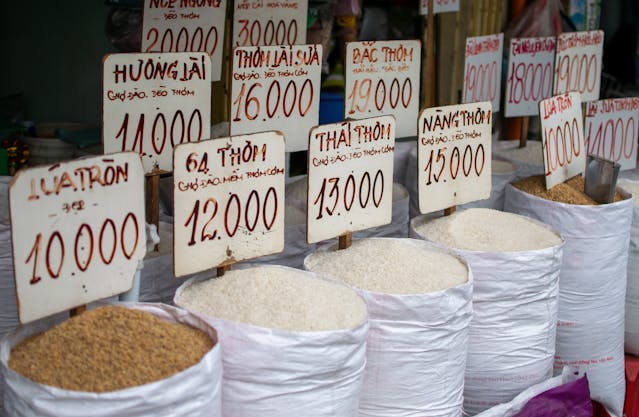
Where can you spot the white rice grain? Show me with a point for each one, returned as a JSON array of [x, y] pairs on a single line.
[[392, 266], [276, 297], [481, 229]]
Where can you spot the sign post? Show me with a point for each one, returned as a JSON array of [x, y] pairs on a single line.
[[228, 201], [482, 70], [187, 26], [562, 137], [383, 78], [454, 156], [276, 88], [612, 129], [530, 78], [268, 23], [85, 244], [350, 178]]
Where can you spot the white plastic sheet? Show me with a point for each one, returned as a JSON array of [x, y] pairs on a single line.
[[632, 289], [416, 350], [511, 340], [194, 392], [590, 328], [278, 373]]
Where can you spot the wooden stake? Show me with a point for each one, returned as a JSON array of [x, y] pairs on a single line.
[[152, 198], [430, 79], [221, 92], [222, 269], [345, 241], [523, 135], [457, 58], [78, 310], [450, 210]]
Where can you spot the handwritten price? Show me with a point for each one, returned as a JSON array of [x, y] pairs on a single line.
[[529, 82], [184, 41], [177, 130], [481, 82], [470, 160], [279, 100], [366, 189], [110, 241], [577, 72], [563, 144], [282, 33], [613, 139], [360, 95]]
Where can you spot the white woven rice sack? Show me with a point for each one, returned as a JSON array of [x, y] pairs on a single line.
[[504, 173], [4, 199], [416, 351], [511, 341], [632, 288], [271, 372], [194, 392], [592, 290]]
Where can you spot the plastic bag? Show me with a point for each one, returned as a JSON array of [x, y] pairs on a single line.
[[540, 18], [278, 373], [564, 395], [511, 341], [416, 350], [194, 392], [592, 291]]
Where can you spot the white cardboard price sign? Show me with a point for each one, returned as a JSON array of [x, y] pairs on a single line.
[[454, 155], [152, 102], [562, 137], [350, 176], [276, 88], [439, 6], [185, 26], [266, 22], [611, 130], [74, 241], [482, 70], [530, 75], [578, 63], [229, 201], [383, 78]]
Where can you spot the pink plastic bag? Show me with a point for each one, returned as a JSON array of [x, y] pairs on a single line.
[[570, 399]]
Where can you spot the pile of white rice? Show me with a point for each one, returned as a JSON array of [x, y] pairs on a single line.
[[531, 154], [392, 266], [481, 229], [276, 297], [502, 167]]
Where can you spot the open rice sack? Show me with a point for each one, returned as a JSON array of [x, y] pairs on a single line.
[[294, 345], [592, 290], [515, 263], [632, 289], [419, 302], [120, 377]]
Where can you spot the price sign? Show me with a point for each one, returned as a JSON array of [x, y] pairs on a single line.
[[276, 88], [530, 73], [453, 155], [152, 102], [562, 137], [266, 23], [185, 26], [578, 63], [74, 241], [611, 130], [482, 71], [350, 176], [383, 78], [229, 201], [439, 6]]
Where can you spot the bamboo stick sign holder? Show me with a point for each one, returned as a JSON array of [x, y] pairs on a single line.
[[350, 171], [228, 201], [86, 244]]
